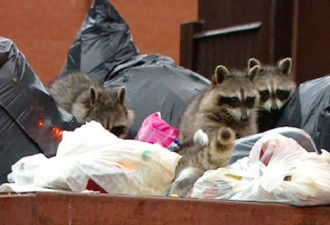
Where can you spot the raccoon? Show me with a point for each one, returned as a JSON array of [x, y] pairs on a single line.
[[231, 101], [222, 113], [275, 86], [86, 99], [201, 156]]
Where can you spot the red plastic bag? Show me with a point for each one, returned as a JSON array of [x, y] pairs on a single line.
[[155, 130]]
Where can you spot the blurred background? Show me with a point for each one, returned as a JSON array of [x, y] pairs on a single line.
[[197, 34]]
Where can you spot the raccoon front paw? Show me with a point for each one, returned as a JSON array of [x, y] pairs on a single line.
[[179, 189], [226, 136], [201, 138], [183, 184]]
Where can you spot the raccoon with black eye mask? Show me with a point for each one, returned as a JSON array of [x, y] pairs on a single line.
[[237, 101], [231, 101], [276, 87], [86, 99], [225, 111]]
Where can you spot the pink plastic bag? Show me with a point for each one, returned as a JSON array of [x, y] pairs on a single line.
[[156, 130]]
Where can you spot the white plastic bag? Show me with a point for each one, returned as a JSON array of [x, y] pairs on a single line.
[[277, 170], [92, 153]]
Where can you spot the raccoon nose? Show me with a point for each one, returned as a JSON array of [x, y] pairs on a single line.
[[244, 118], [274, 108]]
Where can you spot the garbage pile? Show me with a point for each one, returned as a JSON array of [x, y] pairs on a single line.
[[284, 165], [277, 169], [91, 157]]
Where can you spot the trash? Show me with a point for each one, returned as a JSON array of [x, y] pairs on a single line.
[[309, 109], [278, 169], [11, 187], [103, 42], [30, 120], [155, 130], [156, 84], [104, 49], [244, 145], [92, 155]]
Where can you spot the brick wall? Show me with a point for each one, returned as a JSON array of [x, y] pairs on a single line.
[[155, 24], [45, 29]]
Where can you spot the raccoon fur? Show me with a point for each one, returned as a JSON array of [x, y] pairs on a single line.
[[86, 99], [223, 112], [275, 86], [231, 101]]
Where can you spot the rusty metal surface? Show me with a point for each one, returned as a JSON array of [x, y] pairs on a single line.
[[225, 50], [92, 209], [311, 46]]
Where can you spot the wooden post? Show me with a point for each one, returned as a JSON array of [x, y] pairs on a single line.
[[188, 47]]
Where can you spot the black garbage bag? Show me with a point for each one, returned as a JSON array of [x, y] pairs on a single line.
[[103, 42], [309, 109], [30, 121], [105, 50], [156, 84]]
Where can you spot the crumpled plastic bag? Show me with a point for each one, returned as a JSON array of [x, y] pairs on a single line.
[[277, 170], [91, 153], [155, 130], [244, 145]]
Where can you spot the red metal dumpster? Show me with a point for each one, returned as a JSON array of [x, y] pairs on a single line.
[[93, 209]]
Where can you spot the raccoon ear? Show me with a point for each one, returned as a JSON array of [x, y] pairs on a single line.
[[252, 72], [221, 72], [92, 95], [121, 95], [253, 62], [285, 65]]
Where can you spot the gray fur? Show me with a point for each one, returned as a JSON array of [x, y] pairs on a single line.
[[219, 121], [87, 100], [205, 112], [269, 81]]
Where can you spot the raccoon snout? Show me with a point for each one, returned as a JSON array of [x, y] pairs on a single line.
[[244, 115], [119, 131], [274, 108], [244, 118]]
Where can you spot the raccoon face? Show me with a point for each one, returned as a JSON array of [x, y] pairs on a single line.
[[274, 84], [107, 107], [238, 106], [234, 93]]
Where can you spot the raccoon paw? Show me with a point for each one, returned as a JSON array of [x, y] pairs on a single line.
[[226, 136], [183, 184], [201, 138]]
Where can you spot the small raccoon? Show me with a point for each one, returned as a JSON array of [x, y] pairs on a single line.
[[275, 86], [231, 101], [223, 112], [200, 156], [86, 99]]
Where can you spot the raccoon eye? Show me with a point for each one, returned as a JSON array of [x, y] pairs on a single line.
[[282, 95], [118, 130], [250, 102], [231, 101], [264, 95]]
